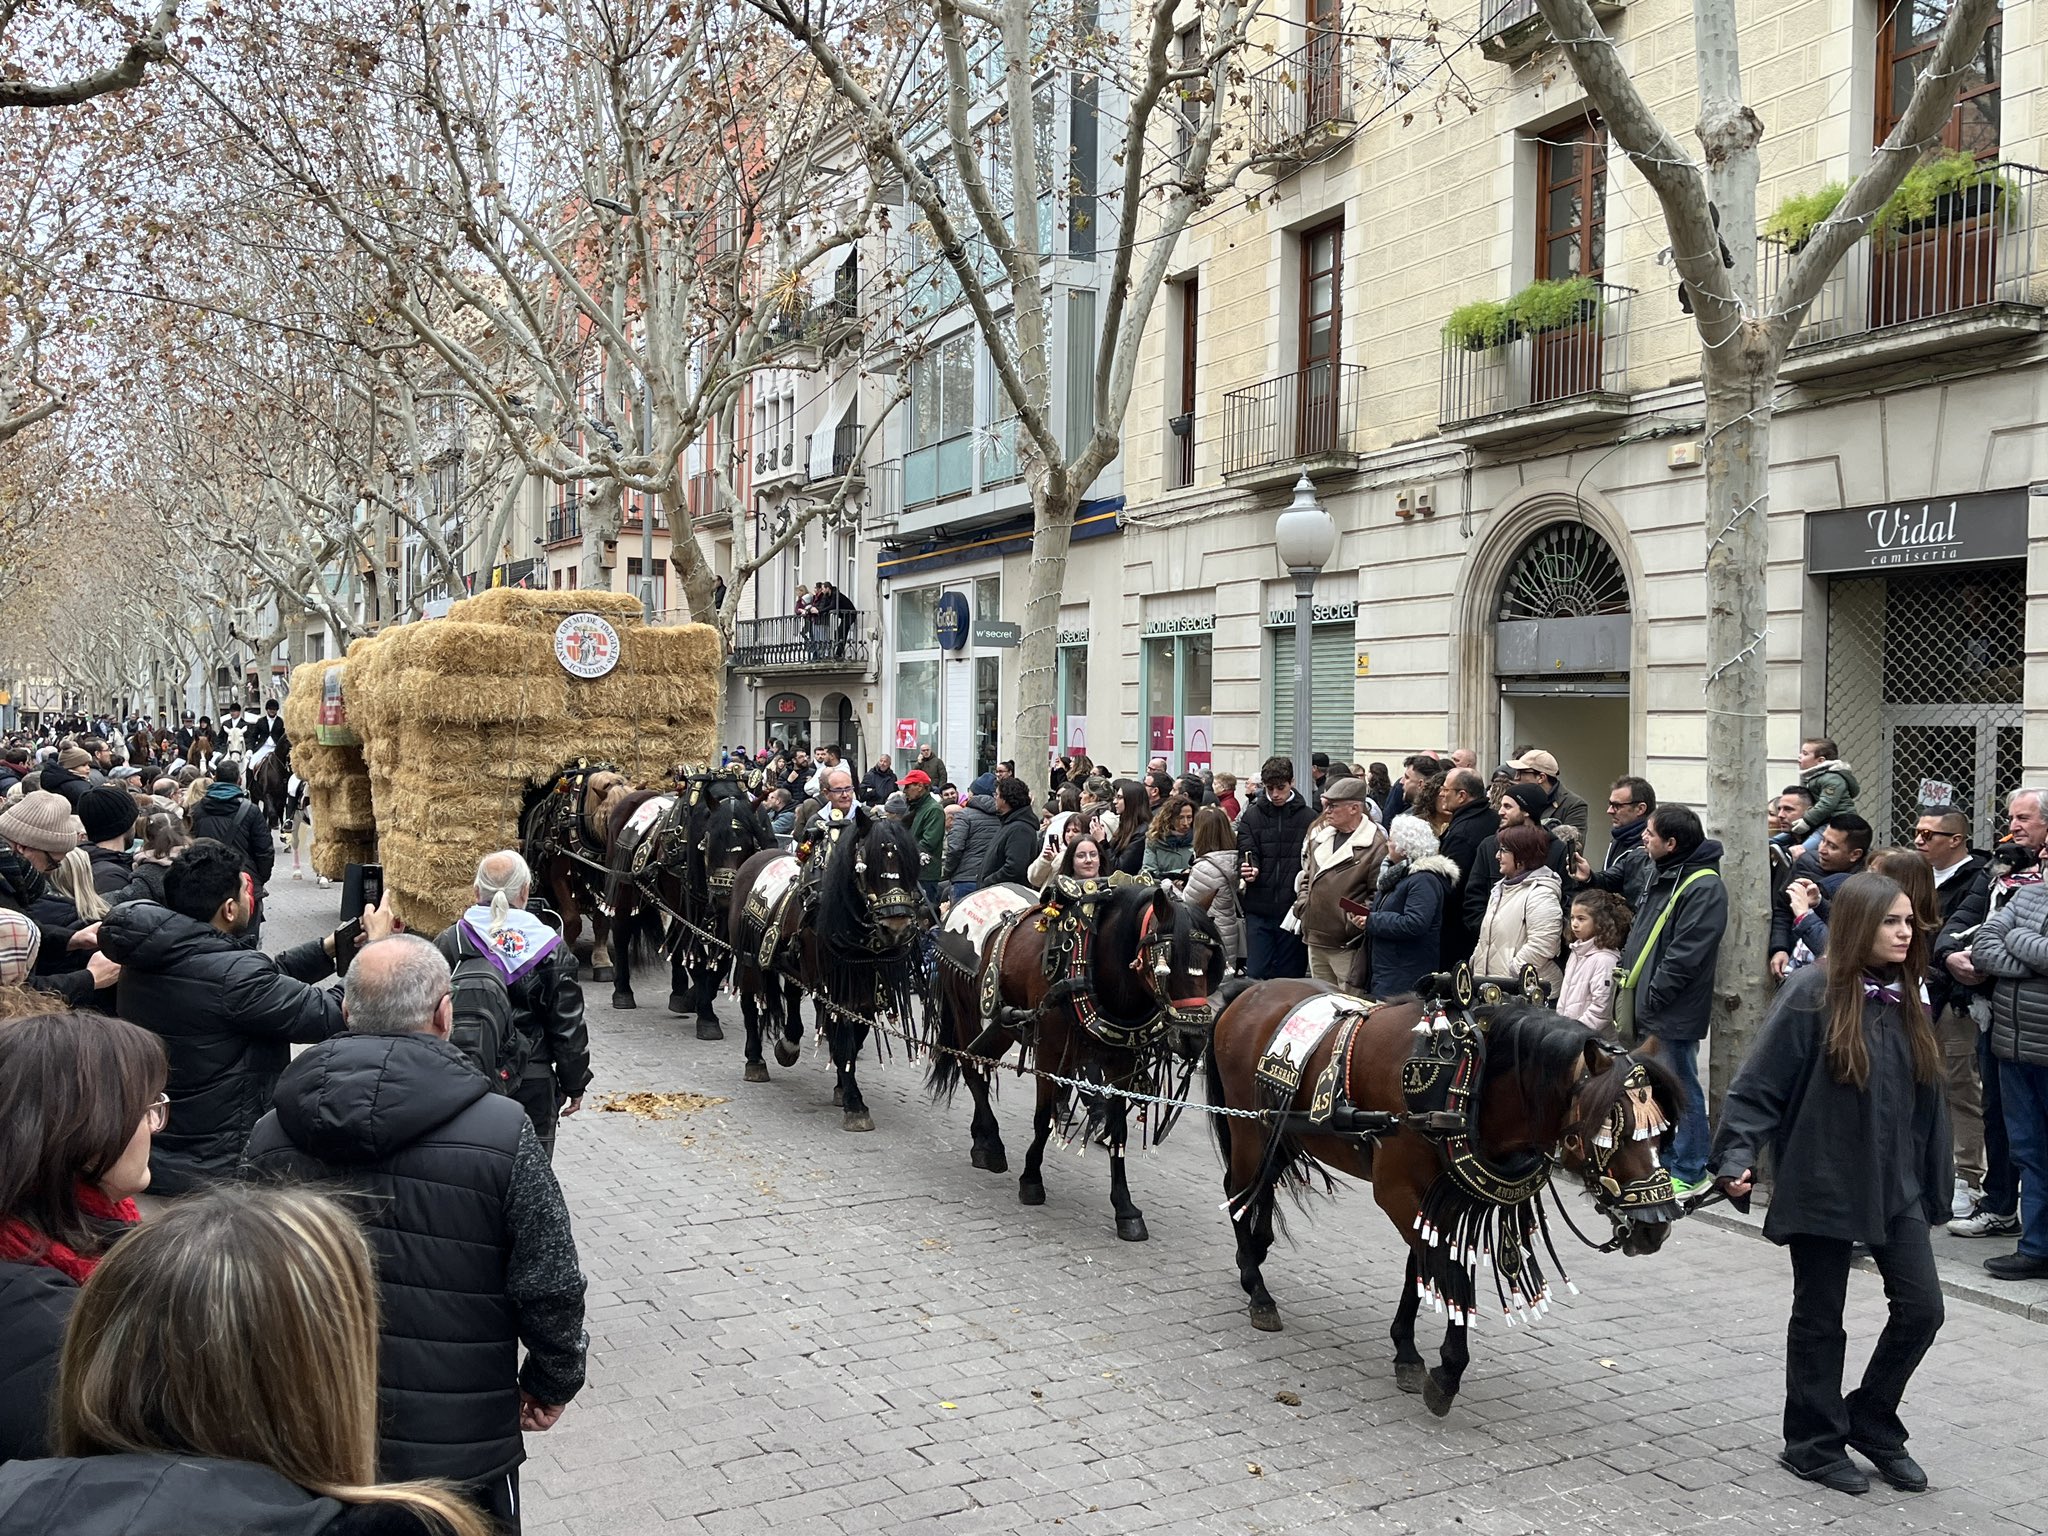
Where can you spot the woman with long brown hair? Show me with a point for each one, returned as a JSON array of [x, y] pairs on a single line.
[[220, 1376], [1845, 1089], [80, 1096]]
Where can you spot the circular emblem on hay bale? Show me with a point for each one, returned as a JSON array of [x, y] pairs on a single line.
[[586, 645]]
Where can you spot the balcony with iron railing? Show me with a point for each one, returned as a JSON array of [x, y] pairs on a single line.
[[1512, 30], [1973, 273], [844, 459], [565, 521], [1307, 422], [1526, 382], [1301, 103], [836, 641]]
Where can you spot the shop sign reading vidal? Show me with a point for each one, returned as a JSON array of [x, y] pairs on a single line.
[[1943, 530]]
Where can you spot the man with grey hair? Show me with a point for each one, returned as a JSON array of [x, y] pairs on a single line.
[[550, 1066], [475, 1256]]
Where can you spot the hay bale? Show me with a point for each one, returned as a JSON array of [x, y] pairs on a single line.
[[461, 716], [337, 780]]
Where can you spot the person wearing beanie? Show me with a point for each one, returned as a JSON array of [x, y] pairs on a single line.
[[1519, 803], [35, 834], [109, 816], [69, 774]]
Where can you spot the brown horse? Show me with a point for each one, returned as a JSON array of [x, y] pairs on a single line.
[[1549, 1093], [1151, 964], [564, 825]]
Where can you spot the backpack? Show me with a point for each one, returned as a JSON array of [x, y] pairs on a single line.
[[482, 1027]]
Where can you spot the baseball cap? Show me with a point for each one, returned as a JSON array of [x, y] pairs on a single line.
[[917, 776], [1535, 762]]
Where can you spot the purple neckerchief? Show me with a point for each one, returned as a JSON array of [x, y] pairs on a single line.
[[519, 943], [1881, 991]]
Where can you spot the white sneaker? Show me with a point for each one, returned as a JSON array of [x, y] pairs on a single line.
[[1965, 1201], [1983, 1223]]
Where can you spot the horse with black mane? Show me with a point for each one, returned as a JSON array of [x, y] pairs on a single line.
[[270, 787], [847, 925], [673, 860], [563, 825], [1458, 1118], [1101, 981]]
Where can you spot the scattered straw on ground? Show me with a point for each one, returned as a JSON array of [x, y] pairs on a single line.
[[659, 1106]]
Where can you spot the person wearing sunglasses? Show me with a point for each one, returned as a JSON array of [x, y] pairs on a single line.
[[81, 1094], [1629, 869]]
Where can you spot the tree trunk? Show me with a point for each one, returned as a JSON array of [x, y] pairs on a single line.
[[1052, 521], [1738, 382]]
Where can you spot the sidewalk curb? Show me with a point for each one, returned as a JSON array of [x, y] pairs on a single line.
[[2024, 1298]]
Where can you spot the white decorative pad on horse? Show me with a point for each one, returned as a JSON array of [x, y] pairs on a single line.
[[978, 911], [1304, 1028], [637, 837], [772, 886]]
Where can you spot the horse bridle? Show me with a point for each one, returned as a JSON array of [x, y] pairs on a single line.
[[1155, 960], [1635, 1117], [895, 899]]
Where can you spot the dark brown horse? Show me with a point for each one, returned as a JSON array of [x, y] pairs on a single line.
[[673, 883], [850, 932], [564, 827], [1152, 962], [270, 788], [1550, 1092]]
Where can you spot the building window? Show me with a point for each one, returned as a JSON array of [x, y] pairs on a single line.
[[1321, 337], [941, 459], [1081, 173], [1905, 45], [1178, 677], [1180, 442], [1571, 233], [1070, 712]]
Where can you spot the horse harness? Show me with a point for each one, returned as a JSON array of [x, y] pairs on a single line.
[[1067, 916]]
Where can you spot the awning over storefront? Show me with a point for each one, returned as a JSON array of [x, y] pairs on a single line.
[[1095, 520]]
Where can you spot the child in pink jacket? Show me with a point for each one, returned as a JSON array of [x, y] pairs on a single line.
[[1599, 928]]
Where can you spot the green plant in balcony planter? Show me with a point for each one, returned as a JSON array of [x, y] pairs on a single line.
[[1939, 189], [1547, 304], [1481, 324], [1793, 221]]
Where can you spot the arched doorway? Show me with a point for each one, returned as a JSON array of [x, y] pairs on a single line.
[[1563, 628], [787, 718], [838, 727]]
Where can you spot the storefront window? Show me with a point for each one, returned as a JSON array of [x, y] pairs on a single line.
[[988, 597], [917, 710], [1070, 714], [1179, 673], [988, 674], [916, 615]]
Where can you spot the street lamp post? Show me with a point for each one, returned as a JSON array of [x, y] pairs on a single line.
[[1305, 537]]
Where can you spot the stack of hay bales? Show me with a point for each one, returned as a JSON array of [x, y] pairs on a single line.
[[461, 716], [337, 782]]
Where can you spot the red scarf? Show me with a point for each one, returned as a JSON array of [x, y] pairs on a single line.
[[22, 1243]]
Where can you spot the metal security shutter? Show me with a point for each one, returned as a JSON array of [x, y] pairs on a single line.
[[1923, 683], [1331, 689]]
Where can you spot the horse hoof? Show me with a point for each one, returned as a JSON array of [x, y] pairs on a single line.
[[708, 1029], [1265, 1317], [858, 1120], [1409, 1375], [600, 973], [1436, 1396], [838, 1098], [994, 1162], [677, 1003], [624, 1000], [787, 1053], [1030, 1194], [757, 1072], [1131, 1229]]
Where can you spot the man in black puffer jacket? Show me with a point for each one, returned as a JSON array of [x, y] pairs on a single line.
[[474, 1251], [228, 1014], [1270, 835], [539, 972], [227, 815], [1014, 848]]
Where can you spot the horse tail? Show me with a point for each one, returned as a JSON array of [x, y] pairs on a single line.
[[1220, 1124]]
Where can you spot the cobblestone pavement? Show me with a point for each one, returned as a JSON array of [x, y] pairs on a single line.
[[799, 1330]]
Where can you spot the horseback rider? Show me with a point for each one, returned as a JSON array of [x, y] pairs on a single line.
[[539, 972]]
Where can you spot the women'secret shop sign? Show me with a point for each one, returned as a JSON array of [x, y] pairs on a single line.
[[1938, 530]]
